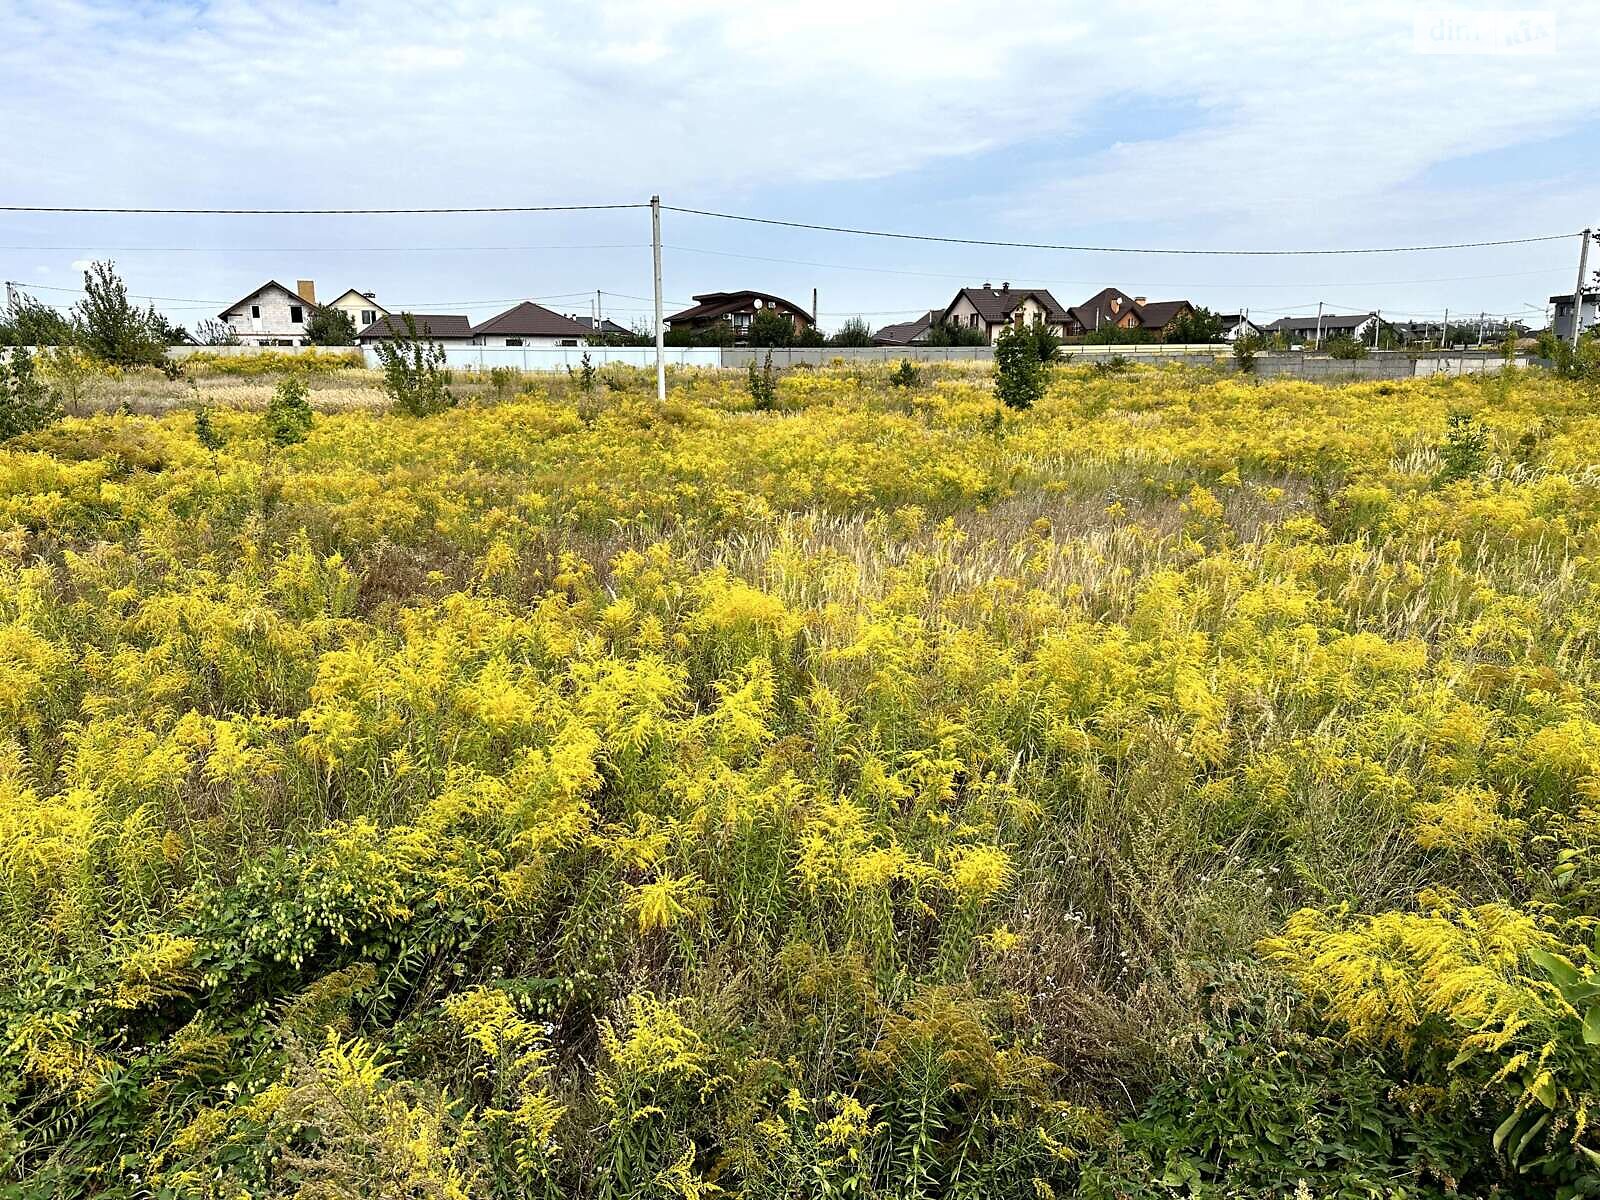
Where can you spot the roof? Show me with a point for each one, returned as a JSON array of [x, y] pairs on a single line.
[[1158, 314], [433, 325], [1327, 321], [996, 304], [1097, 309], [531, 320], [607, 325], [271, 283], [711, 305], [1566, 297], [364, 297], [906, 332]]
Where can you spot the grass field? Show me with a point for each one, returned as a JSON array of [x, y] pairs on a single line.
[[1183, 787]]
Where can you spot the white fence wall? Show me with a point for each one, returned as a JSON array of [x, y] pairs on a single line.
[[560, 358]]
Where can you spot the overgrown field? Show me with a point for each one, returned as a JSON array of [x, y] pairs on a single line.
[[1190, 785]]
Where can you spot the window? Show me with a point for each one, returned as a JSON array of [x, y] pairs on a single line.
[[972, 320], [297, 314], [569, 341], [368, 316], [513, 341], [255, 312]]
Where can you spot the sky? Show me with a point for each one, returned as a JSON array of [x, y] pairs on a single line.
[[1218, 126]]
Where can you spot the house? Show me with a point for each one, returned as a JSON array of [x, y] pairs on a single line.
[[1112, 308], [736, 309], [608, 327], [1238, 325], [362, 307], [1588, 316], [447, 329], [990, 309], [529, 324], [907, 333], [272, 315], [1357, 326]]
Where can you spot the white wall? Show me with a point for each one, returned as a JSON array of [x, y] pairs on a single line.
[[500, 341], [274, 322], [356, 306]]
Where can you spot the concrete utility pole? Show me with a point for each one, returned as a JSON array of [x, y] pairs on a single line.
[[1583, 275], [661, 333], [1444, 331], [599, 316], [11, 294], [1317, 344], [1480, 328], [1377, 323]]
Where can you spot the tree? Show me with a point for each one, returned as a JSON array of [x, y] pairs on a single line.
[[212, 332], [414, 373], [1245, 348], [854, 332], [1046, 345], [109, 325], [1019, 375], [942, 334], [1116, 335], [771, 328], [331, 327], [26, 401], [1342, 345], [30, 322], [289, 413], [763, 385], [1195, 326]]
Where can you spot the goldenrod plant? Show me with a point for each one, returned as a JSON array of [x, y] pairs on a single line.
[[1194, 790]]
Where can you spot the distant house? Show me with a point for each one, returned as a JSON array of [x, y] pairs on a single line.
[[1112, 308], [1302, 330], [272, 315], [1238, 325], [608, 327], [737, 310], [1588, 318], [447, 329], [529, 324], [907, 333], [363, 308], [990, 309]]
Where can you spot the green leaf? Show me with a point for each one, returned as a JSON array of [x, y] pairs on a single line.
[[1506, 1127], [1591, 1026], [1559, 968]]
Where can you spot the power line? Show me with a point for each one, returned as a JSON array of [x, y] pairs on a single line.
[[961, 241], [318, 212]]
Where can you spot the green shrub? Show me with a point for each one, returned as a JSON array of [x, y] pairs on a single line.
[[331, 327], [1019, 374], [1245, 348], [1465, 451], [206, 432], [1345, 346], [288, 413], [905, 375], [763, 385], [26, 401], [414, 374]]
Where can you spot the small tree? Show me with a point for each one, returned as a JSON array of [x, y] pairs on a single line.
[[30, 322], [26, 401], [109, 325], [942, 334], [854, 332], [331, 327], [1345, 346], [206, 432], [1019, 376], [1465, 452], [763, 385], [72, 372], [289, 413], [1196, 326], [414, 373], [771, 328], [905, 375], [1245, 348]]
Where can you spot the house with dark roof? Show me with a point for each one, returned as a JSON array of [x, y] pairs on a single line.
[[272, 315], [1300, 330], [608, 327], [1236, 325], [529, 324], [990, 309], [737, 310], [362, 307], [907, 333], [448, 329], [1586, 312], [1112, 308]]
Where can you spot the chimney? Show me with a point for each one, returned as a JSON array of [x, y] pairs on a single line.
[[1005, 287], [1138, 299], [1116, 305], [307, 288], [987, 286]]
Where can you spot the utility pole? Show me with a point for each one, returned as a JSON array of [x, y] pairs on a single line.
[[1583, 276], [813, 308], [661, 333], [1377, 323], [1317, 344], [599, 316], [1444, 331], [1480, 328], [11, 295]]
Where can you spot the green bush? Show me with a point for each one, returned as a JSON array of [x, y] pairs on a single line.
[[26, 401], [1465, 452], [288, 413], [763, 385], [414, 374], [771, 328], [1019, 374], [905, 375], [854, 332], [331, 327]]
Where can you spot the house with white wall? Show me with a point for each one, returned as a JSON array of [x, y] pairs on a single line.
[[272, 315], [530, 324], [990, 309], [1588, 313]]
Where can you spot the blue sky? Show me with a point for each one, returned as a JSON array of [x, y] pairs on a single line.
[[1207, 126]]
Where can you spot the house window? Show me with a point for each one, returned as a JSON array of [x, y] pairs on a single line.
[[513, 341], [297, 315], [368, 316], [255, 312], [569, 341]]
